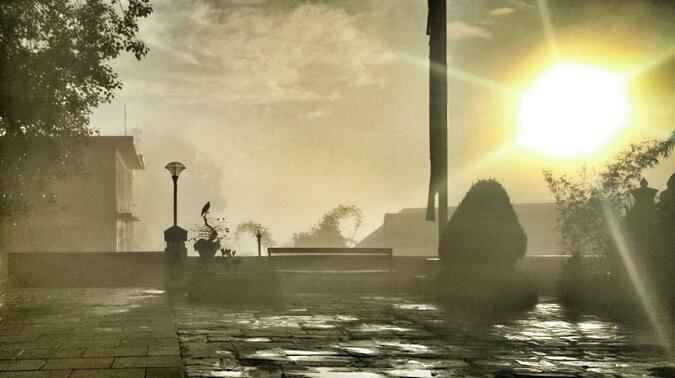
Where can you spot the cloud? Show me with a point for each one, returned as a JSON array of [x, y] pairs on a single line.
[[206, 53], [522, 4], [458, 30], [317, 114], [245, 2], [498, 12]]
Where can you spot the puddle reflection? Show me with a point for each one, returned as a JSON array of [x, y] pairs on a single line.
[[395, 337]]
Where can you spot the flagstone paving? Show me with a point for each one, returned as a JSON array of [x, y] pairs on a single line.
[[87, 333], [334, 336], [141, 333]]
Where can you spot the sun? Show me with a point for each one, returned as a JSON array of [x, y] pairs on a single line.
[[572, 110]]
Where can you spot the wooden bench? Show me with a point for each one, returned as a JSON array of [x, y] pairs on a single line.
[[334, 269]]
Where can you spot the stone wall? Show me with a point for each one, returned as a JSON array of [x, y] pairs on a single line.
[[83, 269], [146, 269]]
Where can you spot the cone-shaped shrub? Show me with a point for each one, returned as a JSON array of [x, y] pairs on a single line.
[[484, 233]]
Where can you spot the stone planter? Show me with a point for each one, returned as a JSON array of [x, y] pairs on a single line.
[[206, 249]]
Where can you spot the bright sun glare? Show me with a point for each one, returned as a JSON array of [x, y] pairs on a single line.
[[572, 110]]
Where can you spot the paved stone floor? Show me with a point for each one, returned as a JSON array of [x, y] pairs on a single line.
[[141, 333], [315, 335], [87, 333]]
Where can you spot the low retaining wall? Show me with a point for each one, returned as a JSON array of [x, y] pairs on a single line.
[[146, 269], [81, 269], [547, 269]]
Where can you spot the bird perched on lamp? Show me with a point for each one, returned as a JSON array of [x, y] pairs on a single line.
[[206, 207]]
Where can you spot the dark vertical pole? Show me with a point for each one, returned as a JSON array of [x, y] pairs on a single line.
[[258, 246], [438, 105], [175, 200]]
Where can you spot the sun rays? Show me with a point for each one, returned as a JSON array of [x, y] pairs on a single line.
[[460, 176], [638, 281], [547, 24], [617, 112], [652, 63]]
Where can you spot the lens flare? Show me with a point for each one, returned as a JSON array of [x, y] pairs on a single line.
[[545, 16], [638, 281]]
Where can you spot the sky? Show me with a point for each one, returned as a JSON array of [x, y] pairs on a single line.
[[282, 110]]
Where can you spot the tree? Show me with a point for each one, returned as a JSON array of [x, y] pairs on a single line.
[[54, 70], [251, 228], [484, 232], [585, 203], [330, 230], [665, 239]]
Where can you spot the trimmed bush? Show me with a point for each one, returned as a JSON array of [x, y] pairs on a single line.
[[484, 233]]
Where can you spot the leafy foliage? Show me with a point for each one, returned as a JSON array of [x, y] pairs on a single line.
[[330, 230], [251, 227], [624, 173], [484, 232], [585, 202], [215, 231], [580, 218], [54, 69]]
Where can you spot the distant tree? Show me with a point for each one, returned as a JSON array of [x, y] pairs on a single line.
[[484, 232], [331, 229], [251, 228], [54, 69], [585, 203]]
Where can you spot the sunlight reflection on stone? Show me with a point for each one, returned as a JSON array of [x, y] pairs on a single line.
[[340, 373], [381, 327], [257, 340], [267, 354], [590, 325], [153, 291], [555, 324], [409, 373], [221, 373], [414, 348], [546, 324], [360, 350], [419, 307], [295, 352], [418, 341], [383, 299]]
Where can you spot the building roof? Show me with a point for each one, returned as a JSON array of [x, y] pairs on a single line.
[[124, 145], [408, 233]]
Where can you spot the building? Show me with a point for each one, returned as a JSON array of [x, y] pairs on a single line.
[[409, 234], [94, 210]]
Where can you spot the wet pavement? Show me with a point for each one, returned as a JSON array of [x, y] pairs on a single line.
[[87, 333], [334, 336], [141, 333]]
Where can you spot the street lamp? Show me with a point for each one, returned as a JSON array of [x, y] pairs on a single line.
[[258, 235], [175, 237], [175, 168]]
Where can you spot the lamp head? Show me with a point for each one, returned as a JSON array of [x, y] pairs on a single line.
[[175, 168]]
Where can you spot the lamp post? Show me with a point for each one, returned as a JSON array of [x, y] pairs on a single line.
[[175, 237], [175, 168], [258, 235]]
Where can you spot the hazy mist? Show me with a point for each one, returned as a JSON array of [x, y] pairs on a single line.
[[282, 110]]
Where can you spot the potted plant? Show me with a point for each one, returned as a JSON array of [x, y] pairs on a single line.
[[209, 235]]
